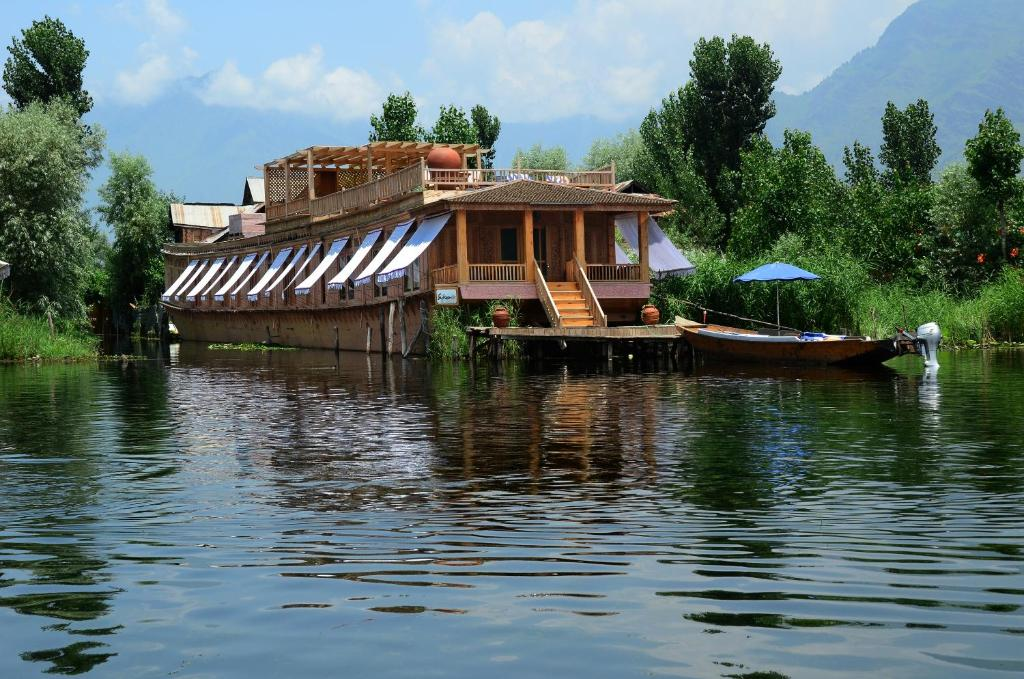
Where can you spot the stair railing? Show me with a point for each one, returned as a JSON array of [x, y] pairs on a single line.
[[579, 274], [546, 300]]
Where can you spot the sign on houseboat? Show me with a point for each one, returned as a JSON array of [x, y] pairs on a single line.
[[446, 296]]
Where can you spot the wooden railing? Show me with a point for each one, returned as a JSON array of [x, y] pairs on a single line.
[[613, 272], [295, 206], [578, 274], [446, 275], [603, 178], [546, 300], [497, 272], [390, 186]]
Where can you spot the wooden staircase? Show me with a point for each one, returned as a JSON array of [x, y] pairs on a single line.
[[572, 306]]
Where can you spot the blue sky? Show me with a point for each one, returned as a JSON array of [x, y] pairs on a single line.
[[528, 61]]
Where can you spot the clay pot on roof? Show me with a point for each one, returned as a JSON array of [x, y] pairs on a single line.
[[444, 159]]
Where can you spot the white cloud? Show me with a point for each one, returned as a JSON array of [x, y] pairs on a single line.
[[144, 84], [300, 83], [163, 18], [615, 59], [163, 59]]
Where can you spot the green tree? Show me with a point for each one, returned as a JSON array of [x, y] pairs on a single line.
[[623, 149], [963, 218], [137, 213], [452, 127], [397, 121], [488, 128], [46, 63], [993, 158], [792, 189], [44, 163], [909, 149], [705, 124], [539, 158]]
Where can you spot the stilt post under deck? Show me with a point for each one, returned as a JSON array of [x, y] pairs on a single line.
[[528, 245], [461, 246], [643, 242], [579, 237]]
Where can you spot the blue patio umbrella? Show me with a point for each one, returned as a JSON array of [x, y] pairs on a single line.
[[776, 271]]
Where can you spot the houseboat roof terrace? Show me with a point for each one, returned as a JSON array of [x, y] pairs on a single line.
[[331, 181]]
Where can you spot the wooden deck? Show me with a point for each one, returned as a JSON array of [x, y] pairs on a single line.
[[588, 334]]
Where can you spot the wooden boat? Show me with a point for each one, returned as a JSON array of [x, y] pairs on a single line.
[[737, 344]]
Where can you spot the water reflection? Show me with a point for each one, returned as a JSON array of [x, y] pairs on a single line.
[[285, 513]]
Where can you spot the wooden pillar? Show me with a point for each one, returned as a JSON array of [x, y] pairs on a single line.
[[369, 164], [528, 245], [579, 237], [309, 174], [644, 245], [609, 225], [461, 246], [287, 185]]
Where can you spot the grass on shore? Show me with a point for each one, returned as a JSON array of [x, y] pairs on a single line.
[[28, 338]]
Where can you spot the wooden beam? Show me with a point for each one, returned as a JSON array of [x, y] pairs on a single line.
[[579, 237], [528, 245], [309, 174], [461, 246], [643, 244], [369, 163], [287, 186]]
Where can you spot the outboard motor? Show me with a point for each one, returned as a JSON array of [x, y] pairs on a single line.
[[927, 341]]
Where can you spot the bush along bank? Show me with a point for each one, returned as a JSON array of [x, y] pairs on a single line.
[[448, 340], [845, 299], [31, 338]]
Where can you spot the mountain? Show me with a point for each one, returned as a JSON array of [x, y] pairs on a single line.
[[961, 56]]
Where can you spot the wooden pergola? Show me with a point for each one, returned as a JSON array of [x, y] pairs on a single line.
[[386, 156]]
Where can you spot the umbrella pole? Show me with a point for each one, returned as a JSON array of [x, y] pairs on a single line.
[[778, 324]]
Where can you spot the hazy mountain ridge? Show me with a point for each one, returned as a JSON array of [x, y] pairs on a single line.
[[961, 57]]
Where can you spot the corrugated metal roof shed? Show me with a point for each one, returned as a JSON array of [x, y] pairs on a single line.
[[5, 270], [254, 191], [205, 216]]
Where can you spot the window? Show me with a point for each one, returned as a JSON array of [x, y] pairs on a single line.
[[509, 245]]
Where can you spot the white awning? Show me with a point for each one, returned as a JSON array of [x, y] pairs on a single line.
[[169, 292], [205, 279], [299, 254], [187, 285], [393, 240], [272, 272], [420, 240], [664, 258], [337, 246], [338, 282], [620, 255], [241, 278], [299, 270], [206, 294]]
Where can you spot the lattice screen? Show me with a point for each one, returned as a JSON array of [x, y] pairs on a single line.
[[276, 186]]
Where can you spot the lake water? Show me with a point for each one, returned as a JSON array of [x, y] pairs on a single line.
[[223, 514]]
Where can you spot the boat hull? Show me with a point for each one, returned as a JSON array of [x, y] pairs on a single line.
[[389, 327], [853, 351]]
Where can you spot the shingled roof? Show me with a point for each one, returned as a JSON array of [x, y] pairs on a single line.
[[529, 192]]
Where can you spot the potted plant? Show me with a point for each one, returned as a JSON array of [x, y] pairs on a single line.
[[500, 317], [649, 314]]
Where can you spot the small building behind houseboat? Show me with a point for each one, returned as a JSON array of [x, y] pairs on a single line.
[[361, 242]]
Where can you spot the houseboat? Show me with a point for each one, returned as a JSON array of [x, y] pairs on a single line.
[[361, 242]]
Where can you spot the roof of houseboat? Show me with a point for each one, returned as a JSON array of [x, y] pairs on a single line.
[[532, 192]]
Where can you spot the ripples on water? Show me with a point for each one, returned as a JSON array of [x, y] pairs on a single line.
[[289, 514]]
